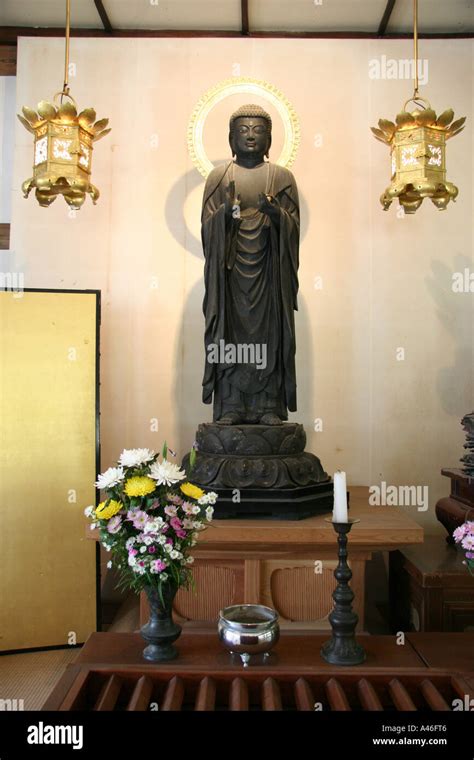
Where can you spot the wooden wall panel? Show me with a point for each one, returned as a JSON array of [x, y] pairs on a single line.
[[4, 237], [8, 60]]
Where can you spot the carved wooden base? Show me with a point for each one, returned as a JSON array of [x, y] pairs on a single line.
[[261, 471]]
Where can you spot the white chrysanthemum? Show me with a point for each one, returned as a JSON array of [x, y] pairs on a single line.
[[175, 555], [154, 526], [135, 457], [189, 560], [89, 511], [166, 473], [161, 540], [109, 478], [208, 498]]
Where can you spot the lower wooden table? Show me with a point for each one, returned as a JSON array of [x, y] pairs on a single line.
[[430, 588], [427, 672]]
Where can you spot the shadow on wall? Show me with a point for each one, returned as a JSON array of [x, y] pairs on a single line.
[[455, 312]]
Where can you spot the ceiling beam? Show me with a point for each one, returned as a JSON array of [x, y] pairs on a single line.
[[244, 4], [7, 60], [9, 34], [103, 16], [386, 17]]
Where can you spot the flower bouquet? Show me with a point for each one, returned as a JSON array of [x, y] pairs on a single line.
[[149, 521], [464, 535]]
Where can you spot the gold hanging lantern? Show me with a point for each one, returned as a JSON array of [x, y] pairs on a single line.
[[63, 145], [418, 149]]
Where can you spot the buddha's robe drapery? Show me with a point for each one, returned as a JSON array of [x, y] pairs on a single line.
[[251, 280]]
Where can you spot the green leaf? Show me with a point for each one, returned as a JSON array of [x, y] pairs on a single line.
[[164, 452], [192, 459]]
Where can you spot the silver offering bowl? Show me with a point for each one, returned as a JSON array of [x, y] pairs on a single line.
[[248, 629]]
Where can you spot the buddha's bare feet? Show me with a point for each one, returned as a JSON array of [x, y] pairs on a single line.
[[270, 419], [229, 418]]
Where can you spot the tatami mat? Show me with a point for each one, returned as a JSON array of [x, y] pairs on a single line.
[[31, 676]]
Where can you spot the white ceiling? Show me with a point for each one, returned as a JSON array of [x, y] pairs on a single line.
[[441, 16]]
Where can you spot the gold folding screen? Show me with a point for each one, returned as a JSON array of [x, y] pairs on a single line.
[[48, 462]]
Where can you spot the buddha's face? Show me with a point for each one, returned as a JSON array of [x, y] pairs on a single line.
[[250, 137]]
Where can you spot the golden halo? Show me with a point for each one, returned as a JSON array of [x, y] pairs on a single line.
[[236, 86]]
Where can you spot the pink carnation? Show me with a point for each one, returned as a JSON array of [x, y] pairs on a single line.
[[174, 499], [460, 532], [157, 566], [114, 524], [468, 542], [140, 519]]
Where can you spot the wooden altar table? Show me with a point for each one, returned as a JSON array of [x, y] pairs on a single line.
[[272, 562]]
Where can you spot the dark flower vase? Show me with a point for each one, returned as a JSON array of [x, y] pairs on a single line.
[[161, 630]]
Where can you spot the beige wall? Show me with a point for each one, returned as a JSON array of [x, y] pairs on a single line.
[[386, 279]]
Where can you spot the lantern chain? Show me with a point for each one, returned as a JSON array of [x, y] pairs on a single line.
[[415, 43], [66, 56]]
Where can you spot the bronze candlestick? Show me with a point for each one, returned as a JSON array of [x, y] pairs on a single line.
[[342, 648]]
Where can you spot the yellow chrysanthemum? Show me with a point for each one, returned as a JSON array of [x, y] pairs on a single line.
[[192, 491], [106, 510], [140, 485]]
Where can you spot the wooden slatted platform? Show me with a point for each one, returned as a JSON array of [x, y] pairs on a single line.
[[110, 675]]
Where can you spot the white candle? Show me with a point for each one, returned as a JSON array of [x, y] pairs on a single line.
[[339, 514]]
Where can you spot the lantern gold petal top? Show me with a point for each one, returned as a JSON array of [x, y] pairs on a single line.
[[380, 135], [387, 127], [445, 118], [26, 124], [67, 112], [99, 126], [404, 119], [31, 116], [456, 126], [46, 110], [425, 118], [100, 135], [87, 117]]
